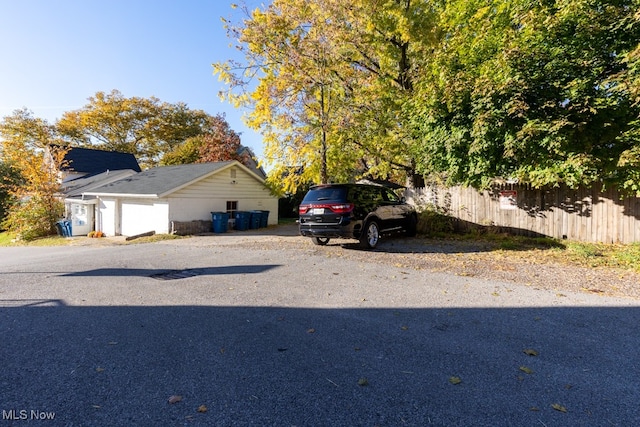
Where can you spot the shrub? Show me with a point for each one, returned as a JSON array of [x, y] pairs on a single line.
[[34, 217], [431, 222]]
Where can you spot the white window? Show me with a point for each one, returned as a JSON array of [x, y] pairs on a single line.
[[232, 208]]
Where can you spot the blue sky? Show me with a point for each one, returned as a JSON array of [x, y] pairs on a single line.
[[57, 53]]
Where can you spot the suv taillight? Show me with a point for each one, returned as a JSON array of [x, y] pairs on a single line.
[[339, 208], [342, 208]]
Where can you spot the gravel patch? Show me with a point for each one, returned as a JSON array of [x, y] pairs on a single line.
[[470, 259]]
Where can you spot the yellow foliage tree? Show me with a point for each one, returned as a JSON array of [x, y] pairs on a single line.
[[36, 207], [325, 82]]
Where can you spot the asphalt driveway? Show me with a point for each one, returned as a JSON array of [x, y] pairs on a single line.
[[238, 334]]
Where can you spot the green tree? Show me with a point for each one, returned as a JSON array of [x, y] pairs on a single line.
[[539, 91], [185, 153]]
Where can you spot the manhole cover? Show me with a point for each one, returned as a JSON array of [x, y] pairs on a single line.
[[176, 274]]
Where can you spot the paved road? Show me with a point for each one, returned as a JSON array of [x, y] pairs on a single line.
[[105, 335]]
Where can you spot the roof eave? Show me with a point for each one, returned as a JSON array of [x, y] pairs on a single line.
[[128, 195]]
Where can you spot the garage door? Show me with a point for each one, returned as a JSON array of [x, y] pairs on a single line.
[[143, 216]]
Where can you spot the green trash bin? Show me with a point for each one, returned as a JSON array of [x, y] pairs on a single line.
[[255, 220], [220, 221], [242, 220]]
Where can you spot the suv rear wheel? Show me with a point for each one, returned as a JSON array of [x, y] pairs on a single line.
[[412, 228], [320, 240], [370, 235]]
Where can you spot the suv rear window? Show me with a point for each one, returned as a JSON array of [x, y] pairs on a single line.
[[322, 194]]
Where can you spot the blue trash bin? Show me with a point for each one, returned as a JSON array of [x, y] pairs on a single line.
[[264, 221], [256, 219], [220, 221], [63, 227], [67, 227], [242, 220], [60, 228]]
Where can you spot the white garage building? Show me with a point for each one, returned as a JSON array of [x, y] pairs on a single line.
[[151, 200]]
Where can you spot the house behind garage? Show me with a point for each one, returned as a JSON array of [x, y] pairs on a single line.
[[159, 198], [84, 169]]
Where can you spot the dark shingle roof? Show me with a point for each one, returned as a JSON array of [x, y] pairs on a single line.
[[89, 161], [160, 180], [78, 186]]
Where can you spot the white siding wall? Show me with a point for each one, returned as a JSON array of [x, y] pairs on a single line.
[[140, 216], [197, 201], [106, 216]]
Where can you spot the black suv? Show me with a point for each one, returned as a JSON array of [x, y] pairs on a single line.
[[354, 211]]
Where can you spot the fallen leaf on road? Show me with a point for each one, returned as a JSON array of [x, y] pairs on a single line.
[[559, 407], [202, 408], [310, 331], [455, 380], [175, 399], [363, 382], [530, 352], [526, 370]]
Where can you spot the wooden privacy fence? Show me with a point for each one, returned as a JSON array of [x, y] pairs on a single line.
[[583, 214]]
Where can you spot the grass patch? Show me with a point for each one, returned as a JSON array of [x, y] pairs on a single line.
[[536, 249], [7, 239], [287, 221], [604, 255]]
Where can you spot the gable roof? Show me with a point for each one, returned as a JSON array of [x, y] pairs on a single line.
[[90, 161], [164, 180], [78, 186]]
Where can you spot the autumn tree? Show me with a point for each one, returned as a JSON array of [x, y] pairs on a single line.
[[325, 81], [36, 207], [145, 127], [218, 142], [295, 100], [9, 179]]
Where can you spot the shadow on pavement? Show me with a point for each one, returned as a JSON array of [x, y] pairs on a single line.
[[190, 272], [102, 365]]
